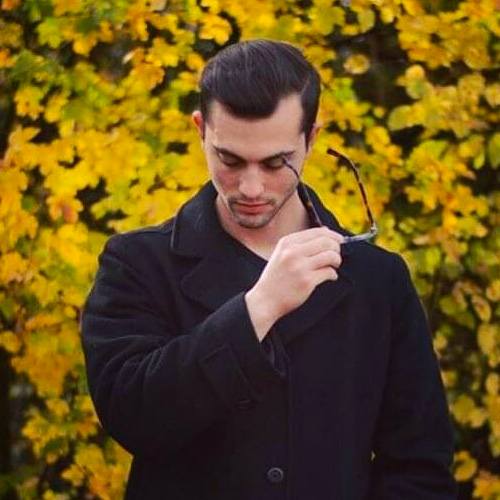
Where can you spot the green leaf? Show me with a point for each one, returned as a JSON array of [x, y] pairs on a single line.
[[494, 150], [38, 9], [25, 66], [49, 32], [8, 307], [87, 25], [401, 117]]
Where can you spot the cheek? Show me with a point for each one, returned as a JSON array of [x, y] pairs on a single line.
[[283, 184], [225, 181]]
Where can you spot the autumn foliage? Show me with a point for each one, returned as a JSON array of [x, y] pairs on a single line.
[[96, 138]]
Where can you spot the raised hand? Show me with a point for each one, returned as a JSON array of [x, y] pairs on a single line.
[[298, 264]]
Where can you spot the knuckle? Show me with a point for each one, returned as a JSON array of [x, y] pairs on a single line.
[[282, 243], [333, 258], [338, 258], [288, 255], [334, 244], [303, 281]]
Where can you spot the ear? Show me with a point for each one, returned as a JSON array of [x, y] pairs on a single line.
[[199, 123], [313, 135]]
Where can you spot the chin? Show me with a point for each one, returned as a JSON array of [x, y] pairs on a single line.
[[252, 223]]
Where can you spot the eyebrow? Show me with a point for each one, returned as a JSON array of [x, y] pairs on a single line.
[[262, 160]]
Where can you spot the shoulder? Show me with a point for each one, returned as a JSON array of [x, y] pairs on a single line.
[[154, 238], [370, 254], [144, 252], [381, 267]]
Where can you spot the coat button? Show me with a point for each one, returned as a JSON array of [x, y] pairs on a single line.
[[275, 475], [244, 404]]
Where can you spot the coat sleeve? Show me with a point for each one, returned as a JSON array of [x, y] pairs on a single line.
[[413, 441], [154, 388]]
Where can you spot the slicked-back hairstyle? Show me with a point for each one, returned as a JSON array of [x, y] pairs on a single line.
[[250, 78]]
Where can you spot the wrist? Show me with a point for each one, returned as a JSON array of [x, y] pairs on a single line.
[[261, 312]]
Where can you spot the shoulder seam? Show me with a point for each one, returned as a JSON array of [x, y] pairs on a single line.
[[161, 228]]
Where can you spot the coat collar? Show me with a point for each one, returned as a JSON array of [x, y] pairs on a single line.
[[215, 276]]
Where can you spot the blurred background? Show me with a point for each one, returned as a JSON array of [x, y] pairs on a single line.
[[96, 138]]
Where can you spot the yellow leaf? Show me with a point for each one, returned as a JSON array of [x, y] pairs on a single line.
[[486, 486], [378, 138], [54, 106], [357, 64], [467, 466], [28, 101], [440, 342], [49, 494], [62, 7], [478, 417], [6, 61], [324, 17], [215, 28], [83, 44], [58, 407], [10, 4], [449, 378], [401, 117], [212, 5], [492, 383], [137, 16], [493, 291], [74, 474], [65, 207], [488, 338], [145, 77], [492, 94], [462, 408], [10, 342], [413, 7], [13, 268], [366, 19], [158, 4], [163, 54], [415, 81], [482, 307], [195, 61], [10, 35]]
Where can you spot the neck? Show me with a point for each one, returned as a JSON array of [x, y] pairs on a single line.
[[291, 218]]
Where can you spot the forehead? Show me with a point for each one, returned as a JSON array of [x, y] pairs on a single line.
[[257, 137]]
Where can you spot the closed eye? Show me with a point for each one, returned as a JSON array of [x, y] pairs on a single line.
[[229, 160], [274, 163]]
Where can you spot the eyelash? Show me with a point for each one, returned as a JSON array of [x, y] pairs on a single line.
[[238, 163], [233, 163]]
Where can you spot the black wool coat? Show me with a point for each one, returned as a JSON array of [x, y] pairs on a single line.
[[347, 402]]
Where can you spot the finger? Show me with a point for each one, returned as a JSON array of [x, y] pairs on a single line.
[[312, 233], [325, 274], [328, 258], [318, 245]]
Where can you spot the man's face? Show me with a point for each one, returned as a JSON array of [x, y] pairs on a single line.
[[244, 160]]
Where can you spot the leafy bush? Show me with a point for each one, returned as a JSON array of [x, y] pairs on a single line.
[[96, 138]]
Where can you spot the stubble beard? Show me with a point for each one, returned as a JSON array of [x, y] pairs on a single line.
[[258, 221]]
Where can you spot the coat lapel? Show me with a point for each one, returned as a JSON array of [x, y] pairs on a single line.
[[215, 276]]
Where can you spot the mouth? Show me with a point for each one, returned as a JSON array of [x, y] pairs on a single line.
[[251, 208]]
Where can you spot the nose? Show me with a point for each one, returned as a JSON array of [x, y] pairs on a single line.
[[251, 183]]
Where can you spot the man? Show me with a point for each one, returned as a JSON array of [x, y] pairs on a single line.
[[239, 353]]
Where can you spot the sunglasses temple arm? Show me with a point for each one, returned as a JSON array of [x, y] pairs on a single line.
[[304, 196], [373, 226]]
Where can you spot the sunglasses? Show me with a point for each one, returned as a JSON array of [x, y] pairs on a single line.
[[304, 196]]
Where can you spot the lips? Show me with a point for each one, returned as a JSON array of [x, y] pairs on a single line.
[[255, 208]]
